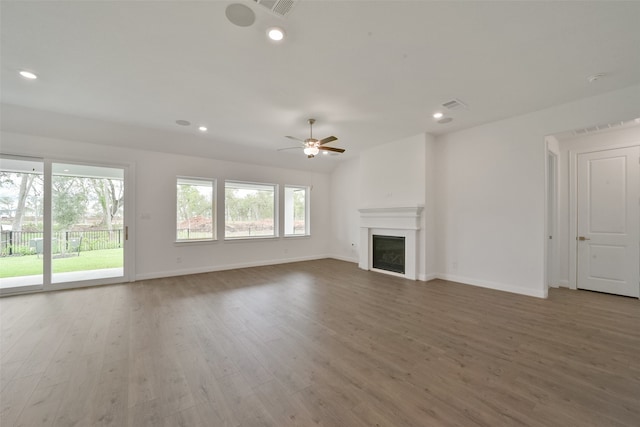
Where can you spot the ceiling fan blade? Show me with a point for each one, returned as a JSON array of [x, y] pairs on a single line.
[[337, 150], [288, 148], [327, 140], [295, 139]]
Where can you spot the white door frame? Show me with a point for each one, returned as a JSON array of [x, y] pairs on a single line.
[[551, 223], [573, 205]]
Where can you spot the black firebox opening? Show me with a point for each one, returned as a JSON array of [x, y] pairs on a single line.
[[388, 253]]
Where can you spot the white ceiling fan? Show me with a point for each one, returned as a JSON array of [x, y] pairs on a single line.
[[312, 146]]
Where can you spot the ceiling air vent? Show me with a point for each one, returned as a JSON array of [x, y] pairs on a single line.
[[454, 104], [279, 7], [602, 127]]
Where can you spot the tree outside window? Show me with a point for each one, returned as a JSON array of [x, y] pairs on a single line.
[[195, 209], [250, 210]]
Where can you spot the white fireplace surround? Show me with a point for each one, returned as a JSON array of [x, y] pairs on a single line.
[[403, 221]]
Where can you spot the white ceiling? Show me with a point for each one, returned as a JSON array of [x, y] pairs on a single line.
[[370, 72]]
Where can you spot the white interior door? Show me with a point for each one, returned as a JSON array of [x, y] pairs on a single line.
[[609, 221]]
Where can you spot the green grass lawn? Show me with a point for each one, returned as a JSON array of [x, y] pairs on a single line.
[[27, 265]]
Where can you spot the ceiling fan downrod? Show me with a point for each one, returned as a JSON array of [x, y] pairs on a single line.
[[311, 122]]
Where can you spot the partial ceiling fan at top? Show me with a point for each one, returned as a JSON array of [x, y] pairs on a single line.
[[312, 146]]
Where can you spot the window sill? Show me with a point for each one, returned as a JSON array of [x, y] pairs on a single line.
[[250, 239], [297, 236], [194, 241]]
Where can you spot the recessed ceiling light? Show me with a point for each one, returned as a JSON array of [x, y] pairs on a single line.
[[437, 115], [183, 122], [325, 153], [202, 128], [28, 75], [66, 170], [276, 34]]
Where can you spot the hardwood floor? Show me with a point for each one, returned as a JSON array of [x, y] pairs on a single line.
[[317, 343]]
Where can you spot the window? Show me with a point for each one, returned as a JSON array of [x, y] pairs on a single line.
[[249, 210], [296, 211], [195, 209]]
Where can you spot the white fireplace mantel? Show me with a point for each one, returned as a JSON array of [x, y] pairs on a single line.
[[401, 221]]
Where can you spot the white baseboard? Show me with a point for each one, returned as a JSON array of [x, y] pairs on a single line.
[[427, 277], [344, 258], [421, 277], [563, 283], [209, 269], [539, 293]]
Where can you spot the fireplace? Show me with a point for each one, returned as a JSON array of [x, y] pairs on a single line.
[[398, 228], [388, 253]]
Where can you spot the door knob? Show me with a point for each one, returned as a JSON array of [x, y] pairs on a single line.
[[582, 238]]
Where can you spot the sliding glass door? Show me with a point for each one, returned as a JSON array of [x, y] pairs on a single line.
[[88, 232], [63, 225], [21, 224]]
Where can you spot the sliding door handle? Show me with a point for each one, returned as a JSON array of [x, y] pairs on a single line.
[[582, 238]]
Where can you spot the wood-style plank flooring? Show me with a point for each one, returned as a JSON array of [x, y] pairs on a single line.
[[317, 343]]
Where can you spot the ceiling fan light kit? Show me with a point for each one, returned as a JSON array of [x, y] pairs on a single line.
[[311, 151], [312, 146]]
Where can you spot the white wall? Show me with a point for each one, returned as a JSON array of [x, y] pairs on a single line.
[[430, 225], [345, 218], [393, 174], [491, 192], [625, 136], [154, 228]]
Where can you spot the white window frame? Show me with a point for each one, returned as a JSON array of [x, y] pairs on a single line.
[[257, 185], [276, 215], [214, 200], [288, 210]]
